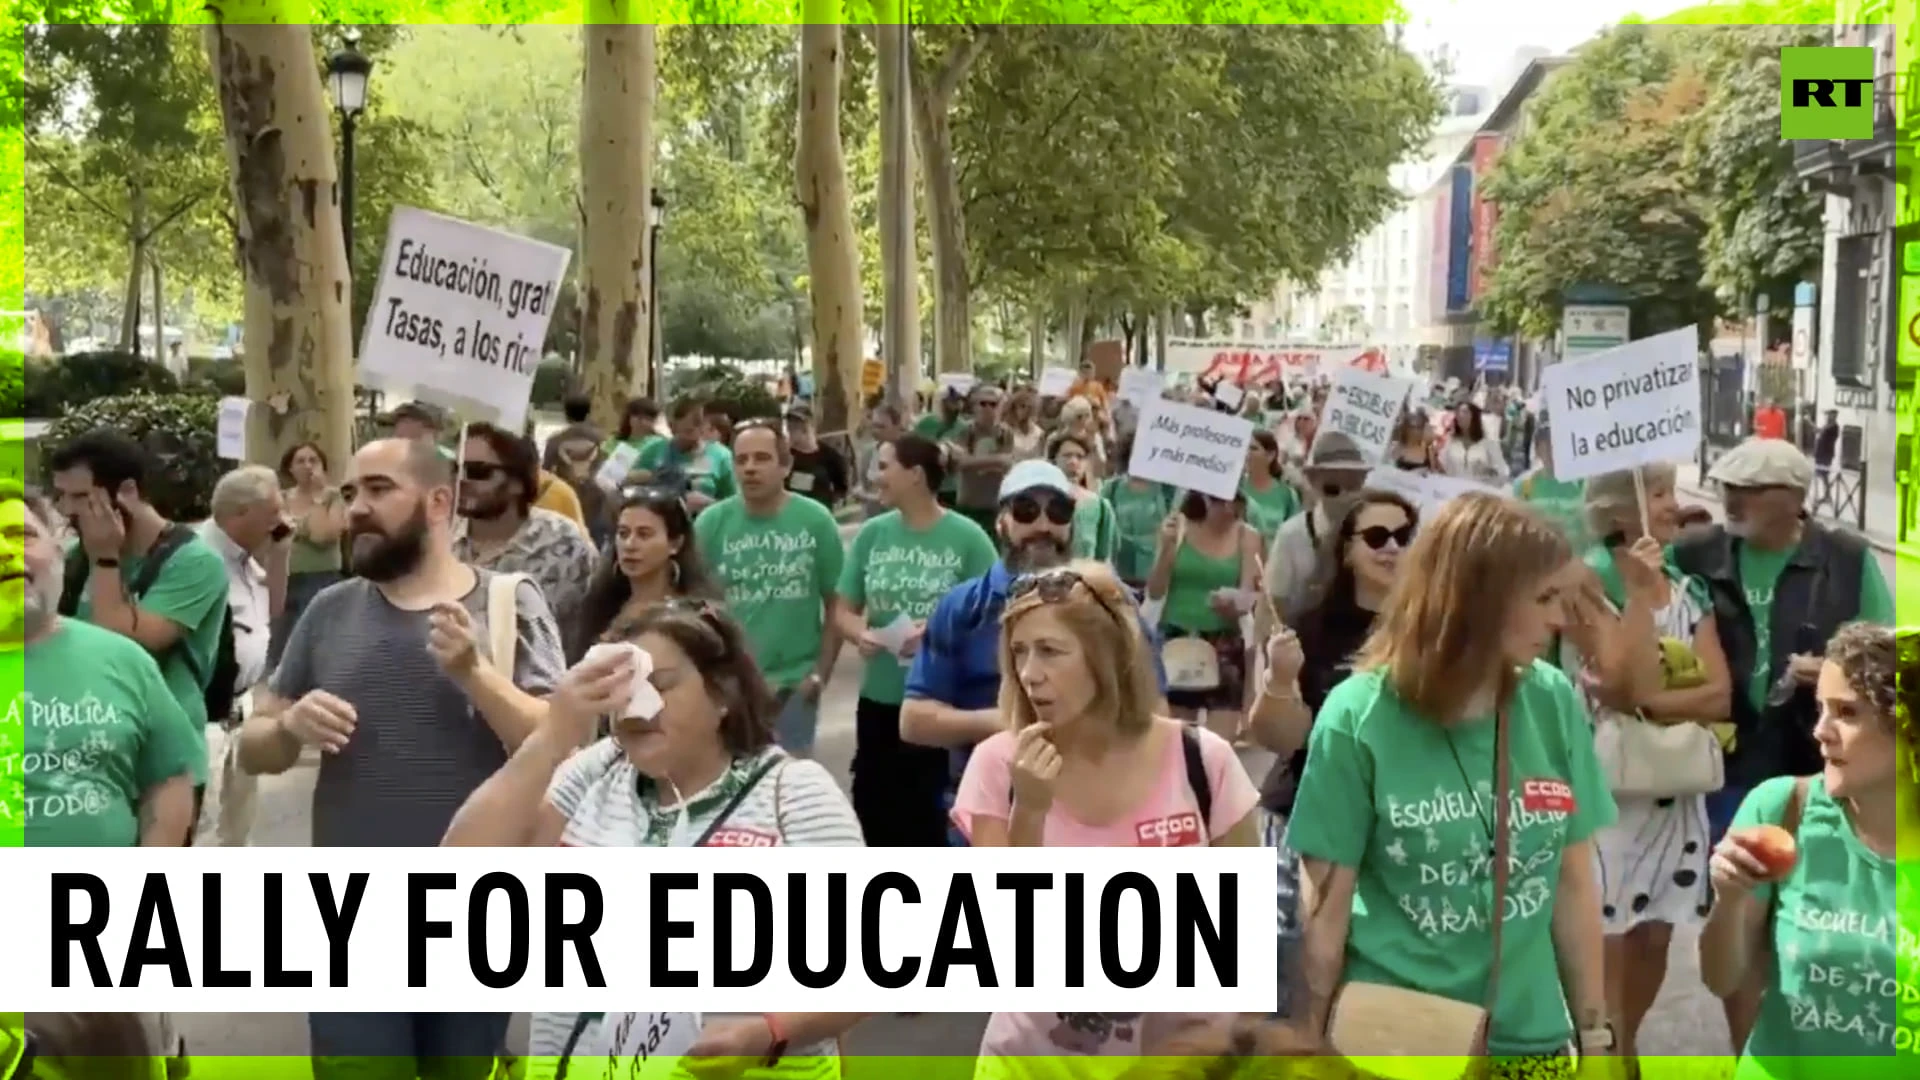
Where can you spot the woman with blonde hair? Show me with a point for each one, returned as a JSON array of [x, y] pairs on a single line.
[[1453, 775], [1806, 880], [1086, 762], [1645, 649]]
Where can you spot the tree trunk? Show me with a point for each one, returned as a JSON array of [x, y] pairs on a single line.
[[1076, 343], [1162, 329], [299, 350], [946, 218], [136, 261], [160, 322], [833, 256], [616, 195], [900, 324], [1036, 339]]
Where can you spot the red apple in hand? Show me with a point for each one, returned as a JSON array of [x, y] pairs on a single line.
[[1773, 846]]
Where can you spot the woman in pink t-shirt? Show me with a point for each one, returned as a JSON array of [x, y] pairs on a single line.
[[1087, 763]]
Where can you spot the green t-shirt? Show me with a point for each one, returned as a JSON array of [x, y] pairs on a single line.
[[1137, 514], [892, 570], [1093, 529], [1268, 510], [1408, 803], [1563, 502], [779, 573], [1759, 575], [939, 429], [708, 470], [100, 729], [1833, 982], [192, 592]]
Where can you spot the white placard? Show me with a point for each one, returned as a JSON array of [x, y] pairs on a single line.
[[1229, 395], [1364, 406], [620, 461], [957, 381], [1427, 491], [460, 315], [1057, 382], [635, 1046], [230, 438], [1635, 405], [1191, 448], [1141, 386]]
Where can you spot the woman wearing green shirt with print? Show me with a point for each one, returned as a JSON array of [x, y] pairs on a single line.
[[1562, 501], [1093, 526], [899, 567], [1139, 506], [1805, 883], [1270, 499], [1396, 816]]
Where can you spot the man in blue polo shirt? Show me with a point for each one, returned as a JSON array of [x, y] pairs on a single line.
[[953, 690]]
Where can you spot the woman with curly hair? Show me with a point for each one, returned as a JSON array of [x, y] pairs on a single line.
[[1805, 882]]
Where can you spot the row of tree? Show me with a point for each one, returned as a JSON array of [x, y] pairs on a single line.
[[1059, 177], [1653, 163]]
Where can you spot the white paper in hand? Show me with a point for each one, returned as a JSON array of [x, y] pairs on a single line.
[[645, 704], [895, 635], [613, 471]]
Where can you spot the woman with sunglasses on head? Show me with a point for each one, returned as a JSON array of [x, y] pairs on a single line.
[[1806, 882], [1139, 506], [1087, 763], [1204, 574], [1093, 524], [1643, 645], [1413, 442], [652, 560], [899, 566], [701, 771], [1453, 775]]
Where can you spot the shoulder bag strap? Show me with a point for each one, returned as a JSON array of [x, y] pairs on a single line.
[[739, 797], [503, 611], [1197, 778], [1502, 847]]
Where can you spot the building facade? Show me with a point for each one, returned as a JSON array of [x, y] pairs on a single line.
[[1854, 367]]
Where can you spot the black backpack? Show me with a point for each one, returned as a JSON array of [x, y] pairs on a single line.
[[216, 685]]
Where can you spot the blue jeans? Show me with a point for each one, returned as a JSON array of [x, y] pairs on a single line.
[[797, 724], [1273, 830], [402, 1046]]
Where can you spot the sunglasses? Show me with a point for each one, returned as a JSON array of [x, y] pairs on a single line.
[[651, 493], [1376, 536], [1055, 585], [480, 471], [1026, 510]]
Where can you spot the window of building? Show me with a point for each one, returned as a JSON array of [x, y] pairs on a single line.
[[1853, 261]]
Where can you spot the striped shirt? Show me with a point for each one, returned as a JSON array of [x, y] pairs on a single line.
[[797, 804]]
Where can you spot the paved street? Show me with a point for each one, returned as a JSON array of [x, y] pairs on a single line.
[[1685, 1021]]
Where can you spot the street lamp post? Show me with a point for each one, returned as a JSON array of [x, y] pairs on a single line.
[[657, 367], [347, 73]]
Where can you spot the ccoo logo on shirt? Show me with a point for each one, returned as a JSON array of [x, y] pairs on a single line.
[[1179, 830]]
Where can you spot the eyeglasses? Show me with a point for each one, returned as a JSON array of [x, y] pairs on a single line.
[[1056, 585], [652, 493], [1376, 536], [1027, 509], [480, 471]]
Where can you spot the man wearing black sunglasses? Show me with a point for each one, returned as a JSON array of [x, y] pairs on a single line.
[[1335, 473], [953, 689]]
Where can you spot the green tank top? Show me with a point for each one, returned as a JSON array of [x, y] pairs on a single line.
[[309, 557], [1196, 577]]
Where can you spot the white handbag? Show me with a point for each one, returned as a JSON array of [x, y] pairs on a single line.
[[1645, 760]]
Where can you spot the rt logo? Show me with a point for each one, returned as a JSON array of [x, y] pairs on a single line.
[[1826, 93]]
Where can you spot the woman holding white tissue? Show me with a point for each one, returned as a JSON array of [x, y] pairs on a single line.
[[701, 771], [898, 568]]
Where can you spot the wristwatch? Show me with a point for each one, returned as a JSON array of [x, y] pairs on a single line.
[[107, 564], [1597, 1040]]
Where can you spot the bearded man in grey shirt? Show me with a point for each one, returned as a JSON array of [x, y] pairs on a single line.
[[385, 676]]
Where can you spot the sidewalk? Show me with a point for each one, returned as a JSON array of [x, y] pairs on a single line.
[[1882, 512]]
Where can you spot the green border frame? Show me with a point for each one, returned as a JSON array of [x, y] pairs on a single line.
[[1902, 13]]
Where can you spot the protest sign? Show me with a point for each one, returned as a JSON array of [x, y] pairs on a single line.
[[230, 437], [1427, 491], [1191, 448], [620, 461], [460, 315], [1229, 395], [956, 382], [1365, 407], [1141, 386], [1057, 382], [1257, 363], [1635, 405]]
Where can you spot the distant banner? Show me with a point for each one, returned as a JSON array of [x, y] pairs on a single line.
[[1264, 363]]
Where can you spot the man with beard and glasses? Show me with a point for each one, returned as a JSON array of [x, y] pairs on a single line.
[[1335, 472], [500, 529], [953, 689], [386, 678], [106, 756]]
